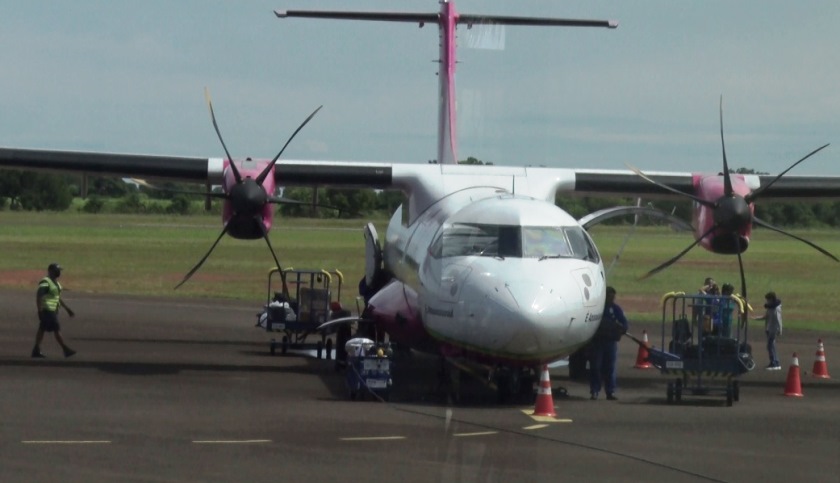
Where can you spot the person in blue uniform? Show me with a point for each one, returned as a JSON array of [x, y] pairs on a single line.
[[48, 300], [727, 307], [604, 348]]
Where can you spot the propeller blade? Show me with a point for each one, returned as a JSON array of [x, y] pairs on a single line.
[[150, 186], [279, 200], [265, 171], [666, 187], [741, 268], [825, 252], [274, 255], [755, 194], [680, 255], [236, 174], [727, 181], [201, 262]]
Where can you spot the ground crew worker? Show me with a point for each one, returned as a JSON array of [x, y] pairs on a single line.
[[604, 348], [48, 300], [772, 327]]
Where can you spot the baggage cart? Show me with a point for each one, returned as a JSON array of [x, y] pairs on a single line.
[[707, 349], [306, 299], [368, 369]]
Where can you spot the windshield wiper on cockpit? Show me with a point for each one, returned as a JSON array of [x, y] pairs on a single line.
[[545, 257]]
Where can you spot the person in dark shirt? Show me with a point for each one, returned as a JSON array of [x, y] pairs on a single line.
[[604, 348]]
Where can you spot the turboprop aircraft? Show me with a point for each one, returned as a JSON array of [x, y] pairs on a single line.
[[481, 263]]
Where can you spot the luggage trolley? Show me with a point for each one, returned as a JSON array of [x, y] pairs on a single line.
[[302, 305], [707, 349], [368, 368]]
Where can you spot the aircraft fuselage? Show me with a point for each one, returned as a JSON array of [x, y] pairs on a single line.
[[493, 276]]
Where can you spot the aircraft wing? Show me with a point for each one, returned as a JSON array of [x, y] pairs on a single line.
[[193, 169], [586, 182], [129, 165], [629, 184]]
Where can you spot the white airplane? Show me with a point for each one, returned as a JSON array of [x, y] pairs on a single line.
[[481, 264]]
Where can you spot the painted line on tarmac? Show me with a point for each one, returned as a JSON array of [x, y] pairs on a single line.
[[373, 438], [544, 419], [64, 442], [232, 441], [470, 435], [536, 426]]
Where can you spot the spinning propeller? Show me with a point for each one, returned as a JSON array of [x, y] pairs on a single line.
[[248, 197], [731, 213]]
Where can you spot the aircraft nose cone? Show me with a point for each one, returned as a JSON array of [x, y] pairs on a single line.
[[541, 316], [537, 301], [527, 312]]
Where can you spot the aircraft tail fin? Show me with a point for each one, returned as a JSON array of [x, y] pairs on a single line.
[[447, 19]]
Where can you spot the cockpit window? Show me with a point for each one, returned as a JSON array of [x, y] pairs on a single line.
[[582, 246], [546, 242], [462, 239]]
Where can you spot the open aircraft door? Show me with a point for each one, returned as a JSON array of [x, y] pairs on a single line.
[[373, 255]]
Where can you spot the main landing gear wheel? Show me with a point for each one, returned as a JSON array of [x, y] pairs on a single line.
[[507, 384], [329, 348], [730, 394], [342, 335]]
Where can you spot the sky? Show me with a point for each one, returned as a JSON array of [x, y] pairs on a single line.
[[130, 77]]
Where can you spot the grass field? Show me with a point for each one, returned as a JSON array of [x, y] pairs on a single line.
[[148, 255]]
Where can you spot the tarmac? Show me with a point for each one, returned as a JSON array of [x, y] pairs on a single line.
[[169, 390]]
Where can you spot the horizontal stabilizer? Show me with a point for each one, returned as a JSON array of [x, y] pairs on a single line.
[[380, 16], [434, 17], [535, 21]]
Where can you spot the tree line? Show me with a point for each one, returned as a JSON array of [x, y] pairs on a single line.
[[41, 191]]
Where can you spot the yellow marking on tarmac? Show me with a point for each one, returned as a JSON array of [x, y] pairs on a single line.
[[65, 442], [536, 426], [469, 435], [373, 438], [232, 441], [544, 419]]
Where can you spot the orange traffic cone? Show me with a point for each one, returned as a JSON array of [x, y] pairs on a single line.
[[820, 367], [545, 402], [642, 355], [793, 386]]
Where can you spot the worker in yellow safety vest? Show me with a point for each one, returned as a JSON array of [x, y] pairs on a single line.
[[48, 299]]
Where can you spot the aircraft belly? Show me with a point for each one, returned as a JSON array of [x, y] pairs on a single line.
[[395, 310]]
